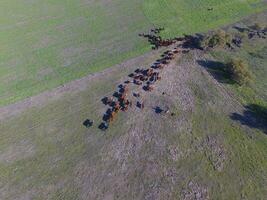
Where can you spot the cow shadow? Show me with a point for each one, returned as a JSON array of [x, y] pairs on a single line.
[[158, 110], [217, 70], [103, 126], [254, 116], [88, 123]]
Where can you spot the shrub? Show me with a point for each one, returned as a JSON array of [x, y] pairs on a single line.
[[216, 39], [258, 26], [239, 72]]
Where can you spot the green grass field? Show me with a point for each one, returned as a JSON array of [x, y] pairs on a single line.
[[44, 44], [183, 16]]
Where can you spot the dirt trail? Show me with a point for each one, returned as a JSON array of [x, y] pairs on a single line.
[[75, 86]]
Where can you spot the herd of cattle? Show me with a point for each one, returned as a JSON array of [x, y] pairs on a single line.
[[251, 32], [156, 40], [144, 78], [122, 99]]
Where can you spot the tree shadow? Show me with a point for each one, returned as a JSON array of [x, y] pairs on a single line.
[[255, 116], [193, 41], [217, 70]]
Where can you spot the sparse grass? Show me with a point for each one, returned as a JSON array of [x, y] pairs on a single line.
[[245, 151], [66, 153], [60, 141], [254, 52]]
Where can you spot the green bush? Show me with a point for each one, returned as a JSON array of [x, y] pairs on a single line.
[[216, 39], [258, 26], [239, 71]]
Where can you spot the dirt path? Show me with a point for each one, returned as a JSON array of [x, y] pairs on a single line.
[[71, 87]]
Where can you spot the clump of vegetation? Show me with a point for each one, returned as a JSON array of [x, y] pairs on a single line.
[[258, 26], [216, 39], [239, 71]]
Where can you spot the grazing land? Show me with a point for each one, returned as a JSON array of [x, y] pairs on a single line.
[[254, 52], [189, 16], [196, 134], [197, 150], [44, 44]]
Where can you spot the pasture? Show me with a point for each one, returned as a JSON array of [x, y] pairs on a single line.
[[254, 53], [183, 16], [196, 148], [45, 44], [47, 153]]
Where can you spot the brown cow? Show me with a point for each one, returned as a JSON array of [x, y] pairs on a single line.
[[144, 78], [175, 51], [160, 66], [140, 105], [149, 72], [111, 117], [136, 95], [125, 89], [137, 82], [150, 88]]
